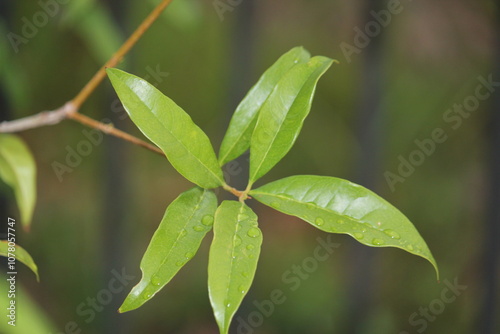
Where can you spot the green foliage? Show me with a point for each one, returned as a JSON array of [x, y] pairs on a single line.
[[238, 135], [18, 170], [20, 254], [233, 259], [268, 122], [185, 223], [186, 146], [338, 206]]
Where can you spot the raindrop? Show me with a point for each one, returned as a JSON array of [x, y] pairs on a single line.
[[198, 228], [250, 247], [156, 280], [207, 220], [392, 234], [237, 241], [409, 247], [189, 255], [244, 274], [253, 232], [359, 236], [320, 221], [179, 263], [378, 242], [241, 288], [275, 204], [340, 221]]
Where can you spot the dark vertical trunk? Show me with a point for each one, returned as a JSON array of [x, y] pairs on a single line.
[[116, 200], [489, 322], [367, 172], [241, 71]]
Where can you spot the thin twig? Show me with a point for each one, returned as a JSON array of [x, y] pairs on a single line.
[[117, 57], [111, 130], [70, 109]]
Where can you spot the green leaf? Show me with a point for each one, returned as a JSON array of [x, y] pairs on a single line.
[[238, 135], [186, 222], [186, 146], [282, 115], [18, 170], [339, 206], [20, 254], [234, 254]]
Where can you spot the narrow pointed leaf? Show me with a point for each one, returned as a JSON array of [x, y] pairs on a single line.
[[18, 170], [233, 259], [185, 223], [238, 135], [282, 115], [186, 146], [339, 206], [20, 254]]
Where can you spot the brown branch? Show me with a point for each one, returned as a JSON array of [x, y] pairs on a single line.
[[70, 109], [117, 57], [111, 130]]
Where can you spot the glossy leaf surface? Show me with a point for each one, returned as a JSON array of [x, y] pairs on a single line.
[[282, 115], [339, 206], [234, 254], [18, 170], [20, 255], [184, 225], [238, 135], [186, 146]]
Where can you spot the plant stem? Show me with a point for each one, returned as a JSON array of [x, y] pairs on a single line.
[[117, 57], [70, 109], [111, 130]]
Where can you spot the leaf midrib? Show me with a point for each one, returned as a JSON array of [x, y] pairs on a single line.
[[280, 126], [175, 137], [196, 207]]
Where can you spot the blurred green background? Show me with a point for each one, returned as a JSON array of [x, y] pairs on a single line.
[[389, 91]]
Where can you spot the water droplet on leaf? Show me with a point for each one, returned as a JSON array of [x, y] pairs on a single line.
[[207, 220], [378, 242], [198, 228], [392, 234], [189, 255], [320, 221], [250, 247], [276, 205], [359, 236], [409, 247], [156, 280], [237, 241], [253, 232]]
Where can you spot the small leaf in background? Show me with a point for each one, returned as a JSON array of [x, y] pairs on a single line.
[[186, 222], [186, 146], [18, 170], [21, 255], [282, 115], [233, 258], [339, 206], [239, 133]]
